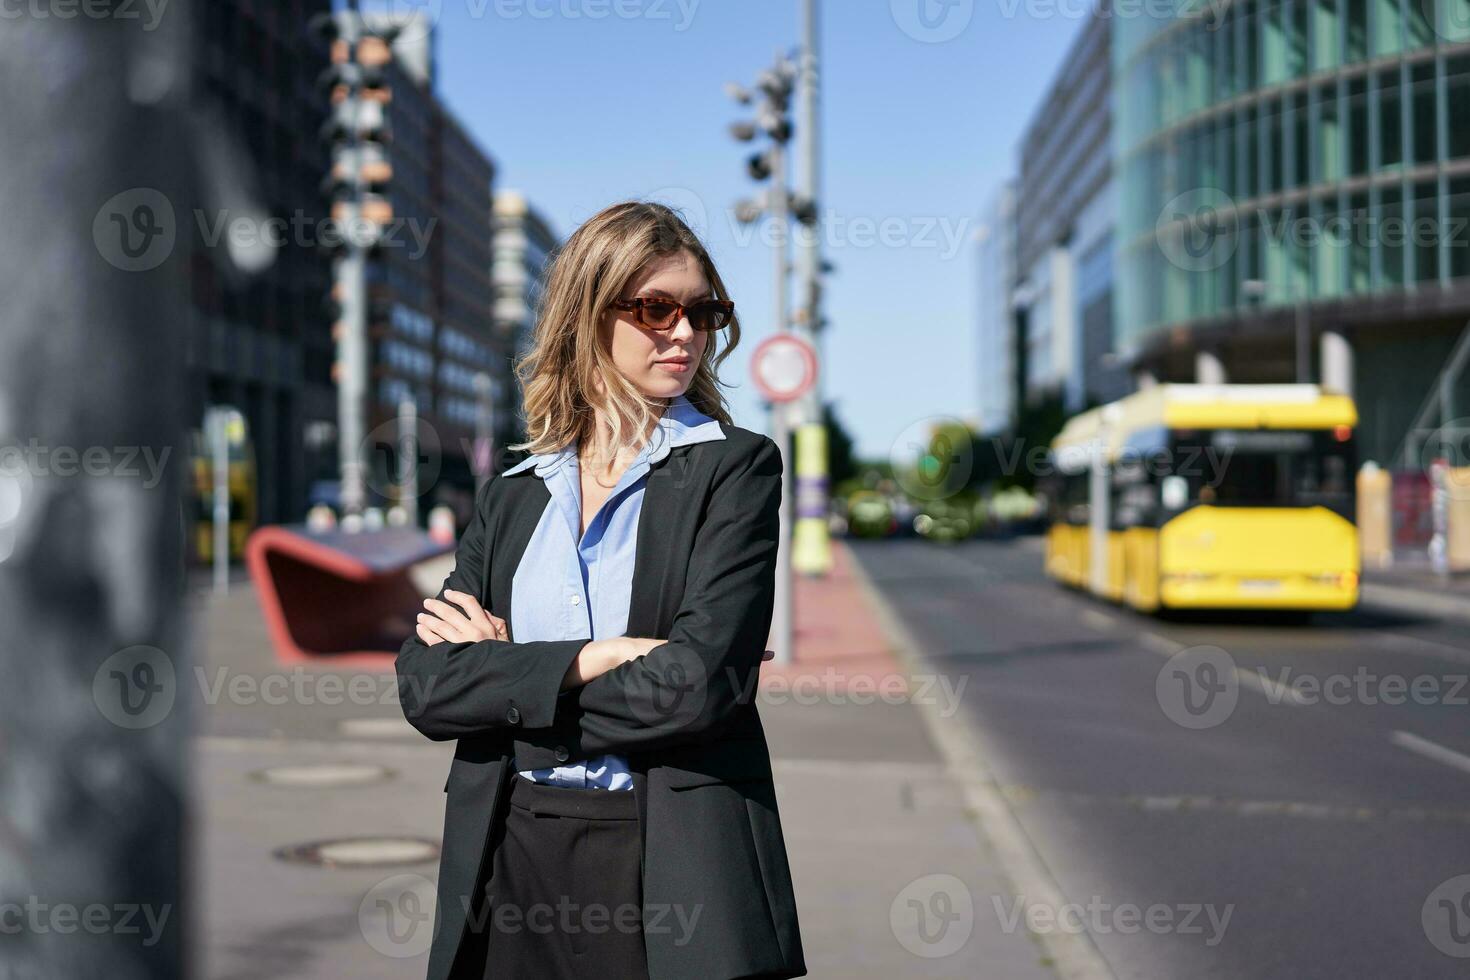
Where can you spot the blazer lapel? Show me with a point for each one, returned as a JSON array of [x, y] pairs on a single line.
[[523, 501], [650, 608]]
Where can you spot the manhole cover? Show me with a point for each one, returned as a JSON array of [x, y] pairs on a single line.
[[378, 728], [361, 852], [324, 775]]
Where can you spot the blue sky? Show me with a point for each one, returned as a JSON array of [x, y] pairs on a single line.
[[586, 102]]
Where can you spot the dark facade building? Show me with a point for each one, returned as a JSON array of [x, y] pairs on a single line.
[[263, 343]]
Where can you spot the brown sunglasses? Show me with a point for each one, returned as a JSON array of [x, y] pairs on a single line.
[[657, 313]]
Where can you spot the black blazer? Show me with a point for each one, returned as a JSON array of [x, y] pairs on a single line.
[[684, 714]]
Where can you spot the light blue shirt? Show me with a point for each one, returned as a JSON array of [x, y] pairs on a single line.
[[568, 589]]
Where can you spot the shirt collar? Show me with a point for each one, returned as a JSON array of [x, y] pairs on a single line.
[[680, 425]]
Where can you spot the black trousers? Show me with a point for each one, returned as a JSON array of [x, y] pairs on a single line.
[[563, 897]]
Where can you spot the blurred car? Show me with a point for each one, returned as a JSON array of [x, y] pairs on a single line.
[[870, 515], [947, 520]]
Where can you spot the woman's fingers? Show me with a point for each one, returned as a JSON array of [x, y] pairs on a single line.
[[432, 631], [489, 627], [449, 613]]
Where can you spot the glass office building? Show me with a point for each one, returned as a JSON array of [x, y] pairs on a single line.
[[1293, 162]]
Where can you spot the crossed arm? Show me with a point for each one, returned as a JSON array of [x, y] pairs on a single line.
[[625, 693]]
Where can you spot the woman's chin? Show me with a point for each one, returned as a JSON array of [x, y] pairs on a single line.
[[664, 387]]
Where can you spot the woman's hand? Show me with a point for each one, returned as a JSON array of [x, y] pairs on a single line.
[[445, 622]]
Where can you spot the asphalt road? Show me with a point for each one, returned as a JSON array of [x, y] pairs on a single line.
[[1254, 806]]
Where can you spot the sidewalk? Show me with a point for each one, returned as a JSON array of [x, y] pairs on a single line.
[[1412, 586], [892, 877]]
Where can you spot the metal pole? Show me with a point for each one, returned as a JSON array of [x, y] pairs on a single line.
[[1303, 344], [484, 430], [218, 425], [408, 460], [93, 256], [781, 621], [352, 345], [811, 550]]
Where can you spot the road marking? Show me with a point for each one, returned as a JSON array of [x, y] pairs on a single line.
[[1099, 620], [1159, 644], [1429, 648], [1431, 750], [1276, 691], [1074, 955]]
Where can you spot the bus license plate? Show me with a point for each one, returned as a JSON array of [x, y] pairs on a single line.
[[1260, 585]]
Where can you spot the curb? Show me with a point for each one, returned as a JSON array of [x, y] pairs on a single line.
[[1074, 956], [1414, 600]]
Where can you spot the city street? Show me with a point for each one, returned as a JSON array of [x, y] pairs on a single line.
[[1298, 833]]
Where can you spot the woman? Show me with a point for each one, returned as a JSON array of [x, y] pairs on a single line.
[[596, 649]]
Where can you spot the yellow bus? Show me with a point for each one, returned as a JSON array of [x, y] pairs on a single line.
[[1187, 496]]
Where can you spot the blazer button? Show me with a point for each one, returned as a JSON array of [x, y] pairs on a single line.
[[562, 755], [513, 715]]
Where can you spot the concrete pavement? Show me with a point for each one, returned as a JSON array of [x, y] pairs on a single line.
[[890, 867]]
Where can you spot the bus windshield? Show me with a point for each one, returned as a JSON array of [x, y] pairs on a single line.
[[1268, 467]]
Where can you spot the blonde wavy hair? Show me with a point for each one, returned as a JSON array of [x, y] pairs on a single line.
[[570, 351]]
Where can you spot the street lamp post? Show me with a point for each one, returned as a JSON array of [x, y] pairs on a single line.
[[775, 86]]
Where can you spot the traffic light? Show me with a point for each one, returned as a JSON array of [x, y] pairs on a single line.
[[356, 132]]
